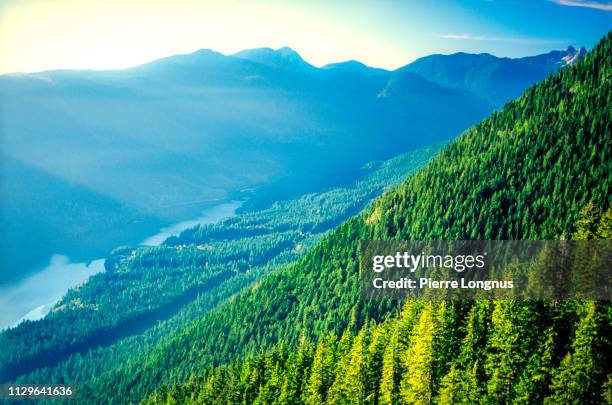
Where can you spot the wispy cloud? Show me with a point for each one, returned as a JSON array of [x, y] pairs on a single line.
[[599, 5], [469, 37]]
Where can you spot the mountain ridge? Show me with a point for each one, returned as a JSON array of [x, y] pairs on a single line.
[[286, 51], [206, 125], [494, 79]]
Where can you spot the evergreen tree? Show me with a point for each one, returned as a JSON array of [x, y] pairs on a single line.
[[349, 385], [390, 370], [573, 381], [418, 379]]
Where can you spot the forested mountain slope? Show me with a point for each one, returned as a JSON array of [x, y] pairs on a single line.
[[524, 173], [149, 292], [434, 352]]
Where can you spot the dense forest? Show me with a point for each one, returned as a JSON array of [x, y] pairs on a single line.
[[182, 279], [537, 169], [443, 352]]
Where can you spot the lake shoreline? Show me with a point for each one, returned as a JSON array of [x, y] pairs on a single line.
[[32, 297]]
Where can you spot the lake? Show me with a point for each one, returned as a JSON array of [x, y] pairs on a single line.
[[33, 297], [209, 216]]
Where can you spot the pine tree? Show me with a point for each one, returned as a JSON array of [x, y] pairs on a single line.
[[572, 381], [586, 226], [379, 339], [390, 370], [417, 381], [604, 229], [315, 389], [533, 383], [510, 343], [463, 382], [291, 389], [349, 385], [454, 388]]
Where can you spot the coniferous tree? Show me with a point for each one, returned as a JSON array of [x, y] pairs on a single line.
[[573, 381], [418, 379], [390, 370]]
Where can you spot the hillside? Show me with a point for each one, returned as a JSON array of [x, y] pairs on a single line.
[[148, 292], [527, 172]]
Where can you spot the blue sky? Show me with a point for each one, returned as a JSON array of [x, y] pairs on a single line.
[[49, 34], [501, 27]]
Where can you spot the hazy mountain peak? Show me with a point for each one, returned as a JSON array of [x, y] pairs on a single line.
[[281, 57], [199, 57], [288, 53], [349, 64], [352, 66], [205, 52]]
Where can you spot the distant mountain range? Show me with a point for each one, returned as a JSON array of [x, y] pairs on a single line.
[[164, 138], [492, 79]]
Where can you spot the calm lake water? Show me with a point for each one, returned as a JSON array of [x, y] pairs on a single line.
[[33, 297], [209, 216]]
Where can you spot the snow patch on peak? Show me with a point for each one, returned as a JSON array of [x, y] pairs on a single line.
[[573, 55]]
